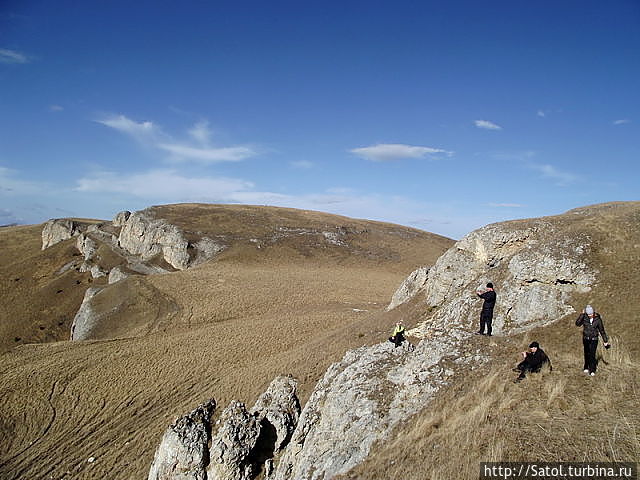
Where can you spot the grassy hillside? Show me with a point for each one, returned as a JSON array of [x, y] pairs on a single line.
[[279, 299], [561, 415]]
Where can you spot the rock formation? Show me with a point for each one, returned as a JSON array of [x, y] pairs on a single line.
[[57, 230], [183, 451], [408, 289], [535, 267], [243, 445]]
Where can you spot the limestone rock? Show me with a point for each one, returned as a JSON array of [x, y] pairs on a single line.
[[233, 443], [116, 274], [206, 249], [57, 230], [147, 237], [535, 267], [182, 453], [358, 402], [86, 246], [279, 406], [121, 218], [86, 318], [408, 289]]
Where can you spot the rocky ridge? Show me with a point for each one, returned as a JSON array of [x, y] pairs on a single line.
[[536, 267]]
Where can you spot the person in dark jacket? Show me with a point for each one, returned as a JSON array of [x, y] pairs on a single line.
[[592, 326], [486, 315], [533, 361]]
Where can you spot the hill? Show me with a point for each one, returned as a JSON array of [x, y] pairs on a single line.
[[288, 292]]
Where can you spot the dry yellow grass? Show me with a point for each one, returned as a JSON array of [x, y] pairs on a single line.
[[289, 307]]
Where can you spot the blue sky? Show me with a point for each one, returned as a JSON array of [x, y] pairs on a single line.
[[444, 116]]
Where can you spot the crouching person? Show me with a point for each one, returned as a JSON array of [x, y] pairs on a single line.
[[398, 334], [533, 361]]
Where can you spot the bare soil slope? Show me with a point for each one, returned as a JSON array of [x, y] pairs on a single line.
[[280, 299], [562, 415]]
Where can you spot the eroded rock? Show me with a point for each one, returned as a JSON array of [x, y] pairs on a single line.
[[57, 230], [183, 451]]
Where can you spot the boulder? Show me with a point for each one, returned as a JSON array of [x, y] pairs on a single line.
[[183, 451], [116, 274], [279, 406], [86, 246], [57, 230], [233, 444]]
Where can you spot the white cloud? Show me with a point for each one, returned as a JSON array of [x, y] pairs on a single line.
[[203, 153], [302, 164], [55, 108], [487, 125], [201, 132], [207, 155], [11, 56], [541, 113], [506, 205], [622, 121], [384, 152], [141, 131], [168, 185], [549, 171]]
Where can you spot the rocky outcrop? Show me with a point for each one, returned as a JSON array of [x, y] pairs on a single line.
[[57, 230], [231, 447], [148, 238], [243, 446], [535, 267], [86, 318], [86, 246], [359, 401], [121, 218], [183, 451], [408, 289]]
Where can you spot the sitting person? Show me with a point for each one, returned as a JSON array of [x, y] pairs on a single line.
[[533, 361], [398, 334]]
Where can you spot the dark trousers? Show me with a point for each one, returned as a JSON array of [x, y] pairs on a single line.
[[590, 347], [397, 339], [486, 319]]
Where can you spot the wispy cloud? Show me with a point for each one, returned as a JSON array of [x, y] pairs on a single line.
[[549, 171], [622, 121], [11, 184], [305, 164], [141, 131], [11, 56], [183, 153], [541, 113], [167, 184], [506, 205], [201, 132], [55, 108], [487, 125], [202, 151], [385, 152]]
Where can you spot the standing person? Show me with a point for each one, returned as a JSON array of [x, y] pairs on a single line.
[[592, 325], [398, 334], [486, 315], [532, 361]]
